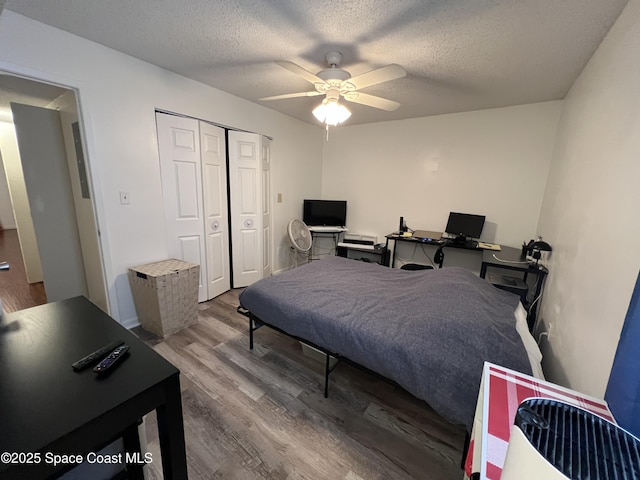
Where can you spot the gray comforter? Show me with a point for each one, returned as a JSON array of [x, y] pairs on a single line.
[[430, 331]]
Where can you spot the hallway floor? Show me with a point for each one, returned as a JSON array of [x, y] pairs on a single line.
[[16, 293]]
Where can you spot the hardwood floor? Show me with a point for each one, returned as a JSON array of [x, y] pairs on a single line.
[[262, 413], [15, 292]]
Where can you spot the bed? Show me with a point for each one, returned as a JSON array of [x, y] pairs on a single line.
[[430, 331]]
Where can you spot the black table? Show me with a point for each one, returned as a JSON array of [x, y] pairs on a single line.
[[440, 243], [47, 408], [378, 253], [513, 259], [508, 258]]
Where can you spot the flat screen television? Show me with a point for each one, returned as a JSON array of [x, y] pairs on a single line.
[[465, 225], [329, 213]]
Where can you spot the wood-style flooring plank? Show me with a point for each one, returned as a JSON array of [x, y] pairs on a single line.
[[15, 292], [261, 414]]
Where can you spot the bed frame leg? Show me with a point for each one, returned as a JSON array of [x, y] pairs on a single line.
[[251, 328], [327, 371], [465, 449]]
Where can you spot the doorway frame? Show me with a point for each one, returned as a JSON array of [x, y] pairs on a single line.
[[92, 170]]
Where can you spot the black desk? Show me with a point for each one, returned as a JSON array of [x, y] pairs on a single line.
[[510, 258], [45, 406], [436, 242], [379, 252]]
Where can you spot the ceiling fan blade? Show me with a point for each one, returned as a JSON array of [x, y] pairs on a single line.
[[292, 95], [384, 74], [298, 70], [371, 101]]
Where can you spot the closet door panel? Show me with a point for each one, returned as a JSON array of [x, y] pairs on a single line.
[[245, 183], [181, 173], [214, 178]]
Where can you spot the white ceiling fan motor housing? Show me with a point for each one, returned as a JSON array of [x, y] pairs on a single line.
[[333, 72]]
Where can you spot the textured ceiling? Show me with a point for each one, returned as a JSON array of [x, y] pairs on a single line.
[[460, 55]]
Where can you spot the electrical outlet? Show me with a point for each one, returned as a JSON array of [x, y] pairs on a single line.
[[279, 198]]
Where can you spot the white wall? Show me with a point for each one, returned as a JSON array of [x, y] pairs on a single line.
[[488, 162], [590, 212], [118, 95]]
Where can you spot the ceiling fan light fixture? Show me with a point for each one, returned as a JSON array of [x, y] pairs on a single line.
[[336, 83], [331, 112]]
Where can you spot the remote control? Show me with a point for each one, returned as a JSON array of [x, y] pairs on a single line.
[[95, 356], [111, 360]]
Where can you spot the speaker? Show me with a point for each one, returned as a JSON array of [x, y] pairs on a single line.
[[402, 227]]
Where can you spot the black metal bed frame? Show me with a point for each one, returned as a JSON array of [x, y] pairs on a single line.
[[255, 323]]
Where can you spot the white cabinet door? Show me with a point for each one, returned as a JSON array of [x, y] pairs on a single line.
[[214, 181], [180, 168], [245, 181]]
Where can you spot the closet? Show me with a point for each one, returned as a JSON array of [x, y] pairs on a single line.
[[216, 195]]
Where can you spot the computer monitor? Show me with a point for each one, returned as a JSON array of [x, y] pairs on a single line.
[[330, 213], [465, 225]]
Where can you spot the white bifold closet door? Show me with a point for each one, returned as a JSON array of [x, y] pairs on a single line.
[[200, 190], [250, 193], [194, 184]]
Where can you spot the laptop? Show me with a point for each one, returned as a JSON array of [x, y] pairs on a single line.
[[427, 236]]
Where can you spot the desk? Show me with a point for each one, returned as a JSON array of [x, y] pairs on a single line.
[[507, 258], [442, 243], [45, 406], [399, 238], [510, 258], [501, 391], [333, 232], [378, 253]]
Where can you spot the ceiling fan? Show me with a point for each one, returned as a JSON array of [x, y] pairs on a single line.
[[335, 82]]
